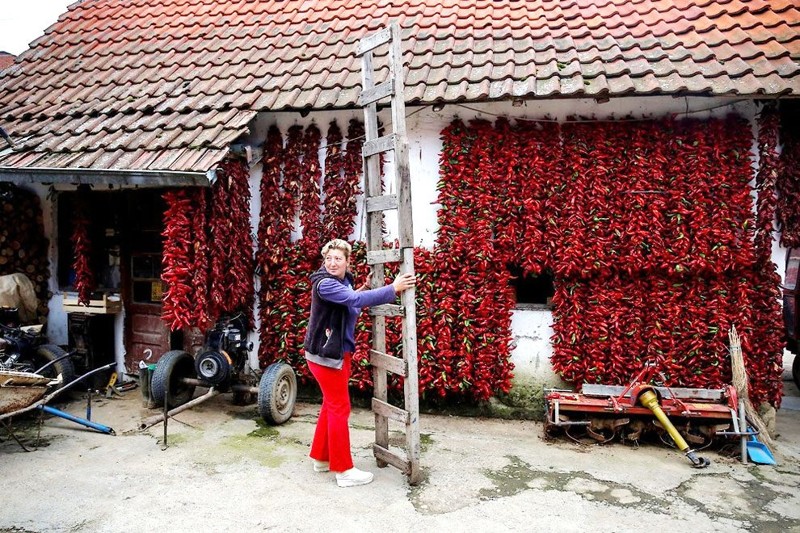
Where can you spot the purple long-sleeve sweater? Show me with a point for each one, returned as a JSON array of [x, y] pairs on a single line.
[[341, 292]]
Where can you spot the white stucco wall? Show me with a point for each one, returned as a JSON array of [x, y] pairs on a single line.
[[531, 329]]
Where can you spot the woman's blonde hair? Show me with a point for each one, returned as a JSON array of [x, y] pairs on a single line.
[[337, 244]]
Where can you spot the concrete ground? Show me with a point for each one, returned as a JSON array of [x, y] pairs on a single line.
[[223, 471]]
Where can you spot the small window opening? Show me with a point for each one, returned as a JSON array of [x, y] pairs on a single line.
[[532, 291]]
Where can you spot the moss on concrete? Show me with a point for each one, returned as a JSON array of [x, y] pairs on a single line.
[[525, 399]]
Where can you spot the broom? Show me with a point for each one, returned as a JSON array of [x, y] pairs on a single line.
[[740, 383]]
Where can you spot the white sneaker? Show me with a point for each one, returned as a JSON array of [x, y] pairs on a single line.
[[321, 466], [353, 478]]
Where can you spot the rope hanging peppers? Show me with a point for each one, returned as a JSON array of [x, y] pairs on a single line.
[[82, 248], [177, 261]]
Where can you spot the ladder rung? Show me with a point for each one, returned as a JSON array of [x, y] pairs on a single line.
[[373, 41], [376, 146], [384, 256], [379, 92], [390, 411], [381, 203], [387, 310], [382, 454], [388, 362]]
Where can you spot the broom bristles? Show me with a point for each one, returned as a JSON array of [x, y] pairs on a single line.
[[741, 384]]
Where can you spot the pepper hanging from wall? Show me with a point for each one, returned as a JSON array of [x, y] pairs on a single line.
[[177, 261], [232, 265], [82, 247]]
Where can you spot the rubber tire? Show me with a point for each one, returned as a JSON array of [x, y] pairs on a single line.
[[223, 373], [170, 370], [277, 393], [796, 370], [49, 352]]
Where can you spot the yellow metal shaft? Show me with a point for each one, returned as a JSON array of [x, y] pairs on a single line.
[[649, 399]]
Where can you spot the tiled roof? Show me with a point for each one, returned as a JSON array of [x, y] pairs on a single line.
[[168, 84], [6, 60]]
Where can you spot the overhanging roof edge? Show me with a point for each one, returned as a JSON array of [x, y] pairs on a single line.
[[94, 176]]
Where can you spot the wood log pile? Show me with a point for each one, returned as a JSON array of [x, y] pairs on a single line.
[[23, 245]]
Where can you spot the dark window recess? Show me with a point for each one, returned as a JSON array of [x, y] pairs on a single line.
[[145, 245], [532, 290], [104, 234]]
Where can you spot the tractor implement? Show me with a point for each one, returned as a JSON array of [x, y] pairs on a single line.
[[686, 416]]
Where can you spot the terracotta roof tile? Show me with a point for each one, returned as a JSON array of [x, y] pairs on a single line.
[[145, 83], [6, 60]]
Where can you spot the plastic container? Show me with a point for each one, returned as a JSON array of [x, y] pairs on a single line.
[[145, 380]]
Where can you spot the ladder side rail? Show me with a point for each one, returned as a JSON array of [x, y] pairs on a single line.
[[372, 187], [406, 234], [401, 170]]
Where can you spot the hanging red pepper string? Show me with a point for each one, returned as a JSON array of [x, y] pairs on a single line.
[[241, 274], [232, 245], [220, 231], [279, 320], [273, 234], [351, 178], [768, 124], [177, 261], [82, 248], [765, 359], [335, 199], [200, 258], [310, 207]]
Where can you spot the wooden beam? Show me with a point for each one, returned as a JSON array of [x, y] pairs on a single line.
[[383, 454], [381, 203], [381, 144], [371, 42], [376, 94], [384, 256], [388, 362], [389, 411], [387, 310]]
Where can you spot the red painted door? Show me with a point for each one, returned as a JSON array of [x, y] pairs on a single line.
[[147, 337]]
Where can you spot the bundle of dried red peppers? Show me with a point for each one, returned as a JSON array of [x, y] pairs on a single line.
[[207, 265], [646, 228]]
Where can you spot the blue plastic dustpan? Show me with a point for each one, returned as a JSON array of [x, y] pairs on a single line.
[[758, 452]]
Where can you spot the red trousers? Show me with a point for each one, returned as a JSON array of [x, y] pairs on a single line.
[[332, 436]]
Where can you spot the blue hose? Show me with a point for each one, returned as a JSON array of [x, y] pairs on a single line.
[[98, 427]]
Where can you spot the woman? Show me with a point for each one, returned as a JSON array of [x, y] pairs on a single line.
[[329, 344]]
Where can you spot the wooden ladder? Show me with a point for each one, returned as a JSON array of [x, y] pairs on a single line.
[[375, 204]]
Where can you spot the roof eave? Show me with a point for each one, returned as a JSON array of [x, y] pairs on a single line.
[[93, 176]]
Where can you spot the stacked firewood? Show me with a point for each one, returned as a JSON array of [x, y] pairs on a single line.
[[23, 246]]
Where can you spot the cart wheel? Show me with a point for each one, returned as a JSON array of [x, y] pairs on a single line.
[[214, 367], [796, 370], [170, 371], [50, 352], [277, 393]]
